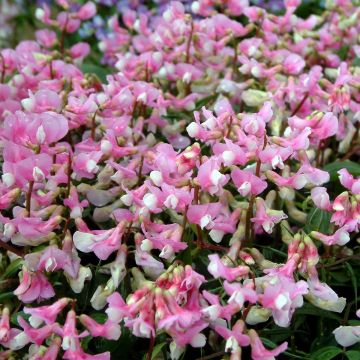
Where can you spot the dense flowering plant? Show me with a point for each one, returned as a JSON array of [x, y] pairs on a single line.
[[197, 197]]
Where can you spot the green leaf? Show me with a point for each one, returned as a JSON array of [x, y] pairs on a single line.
[[121, 349], [205, 101], [277, 335], [176, 115], [340, 277], [343, 52], [157, 350], [318, 220], [309, 7], [85, 342], [353, 280], [6, 295], [326, 353], [99, 71], [12, 268], [353, 354], [269, 249], [334, 167], [270, 344], [356, 62], [309, 309], [99, 317], [13, 317], [186, 256], [354, 323]]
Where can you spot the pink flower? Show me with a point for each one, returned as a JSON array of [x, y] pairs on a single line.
[[33, 286], [321, 198], [166, 238], [43, 101], [46, 37], [275, 155], [215, 310], [86, 165], [254, 124], [87, 11], [9, 197], [218, 269], [203, 215], [340, 237], [293, 64], [322, 296], [6, 333], [47, 313], [282, 295], [247, 183], [47, 127], [80, 50], [35, 228], [240, 294], [230, 153], [295, 139], [186, 160], [258, 351], [235, 338], [33, 168], [347, 335], [348, 181], [109, 330], [101, 242], [265, 217], [52, 351], [115, 310], [313, 175], [210, 178], [74, 204], [70, 336], [322, 125], [191, 336], [36, 336], [71, 343], [152, 267]]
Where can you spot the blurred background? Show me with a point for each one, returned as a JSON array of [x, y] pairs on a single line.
[[17, 20]]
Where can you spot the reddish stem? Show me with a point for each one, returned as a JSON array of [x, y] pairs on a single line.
[[133, 115], [213, 247], [184, 222], [147, 72], [188, 45], [11, 248], [300, 104], [2, 78], [69, 170], [62, 39], [230, 126], [151, 347], [199, 240], [249, 231], [93, 126], [350, 153], [28, 198], [140, 170], [51, 70]]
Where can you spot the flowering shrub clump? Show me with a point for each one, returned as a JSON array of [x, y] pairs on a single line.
[[196, 198]]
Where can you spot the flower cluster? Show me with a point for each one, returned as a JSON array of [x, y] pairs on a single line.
[[152, 196]]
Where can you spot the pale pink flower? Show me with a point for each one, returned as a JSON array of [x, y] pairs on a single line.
[[33, 286], [47, 313], [259, 352], [217, 269], [247, 183], [210, 178]]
